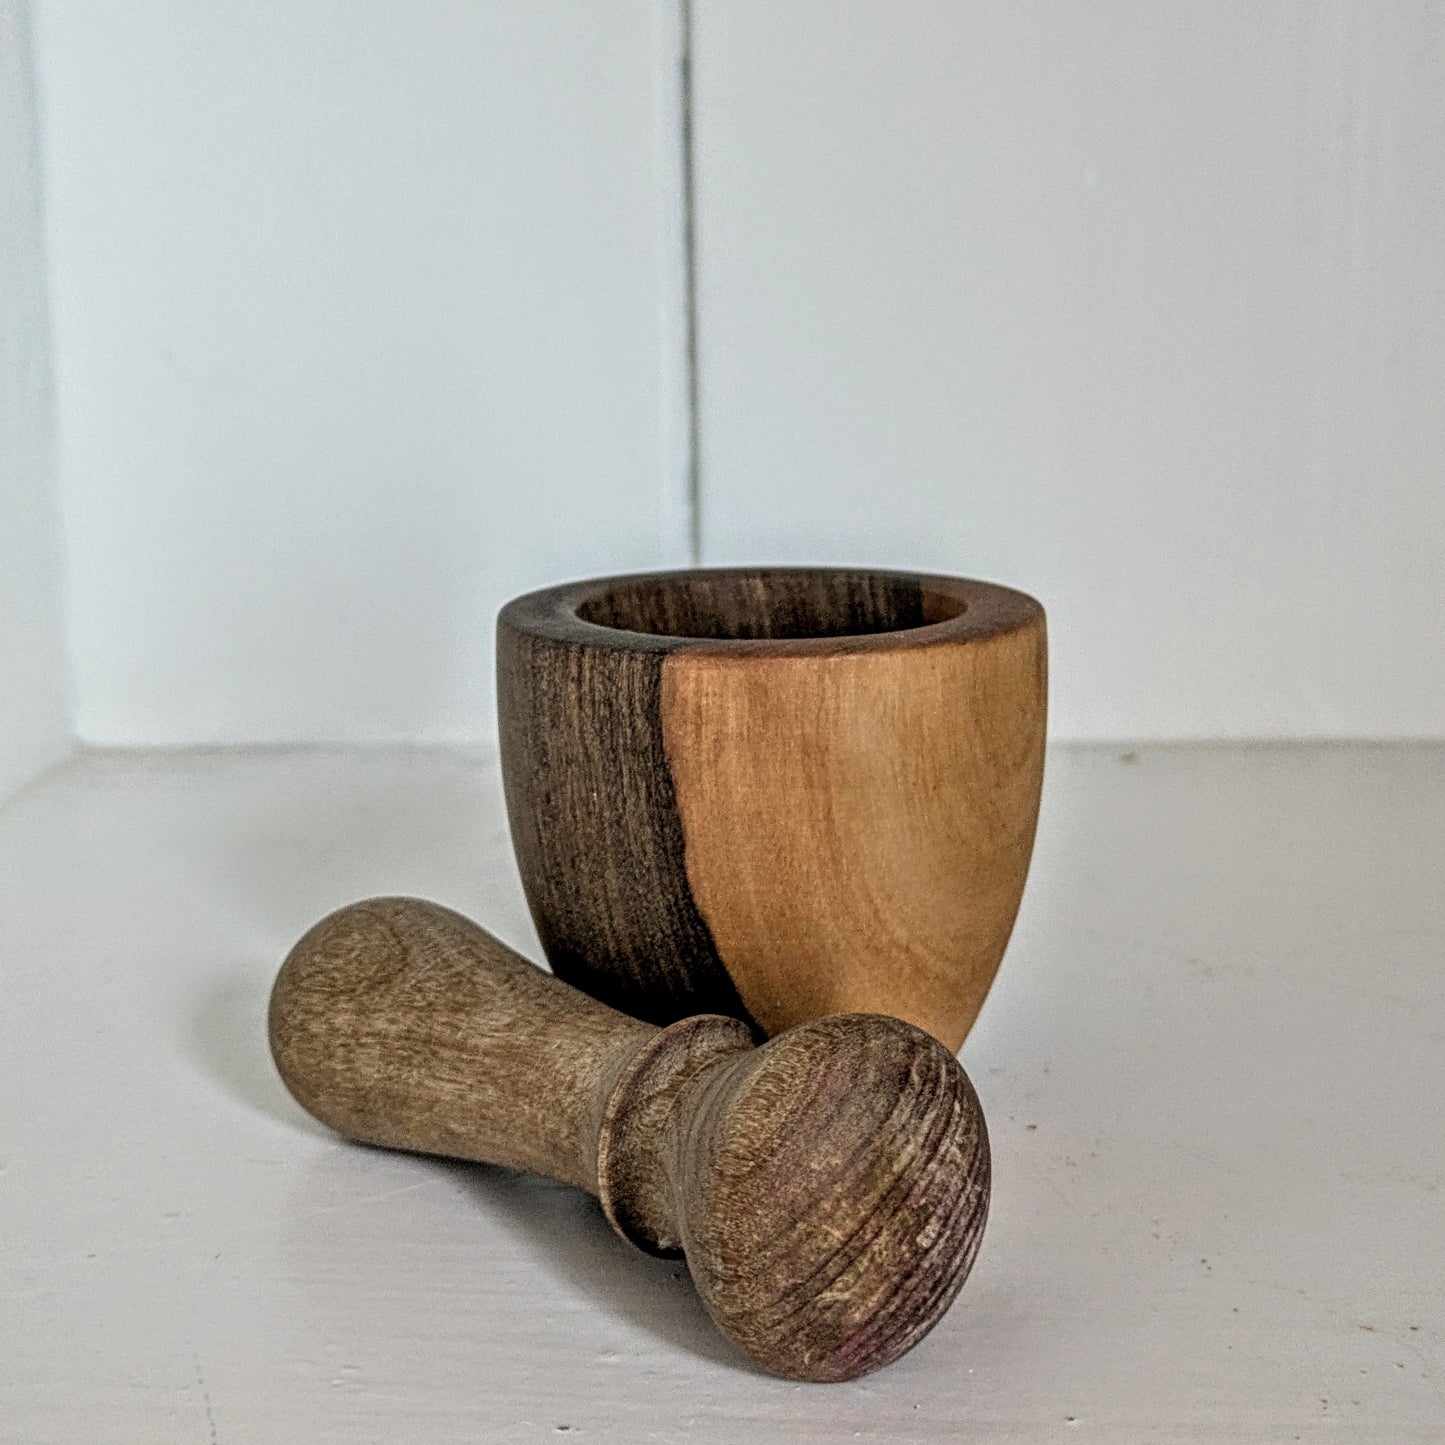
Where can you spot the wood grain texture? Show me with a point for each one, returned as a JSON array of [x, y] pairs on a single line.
[[595, 824], [845, 767], [829, 1189], [398, 1023]]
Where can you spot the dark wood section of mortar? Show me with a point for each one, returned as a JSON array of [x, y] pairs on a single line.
[[596, 828], [777, 793], [829, 1189]]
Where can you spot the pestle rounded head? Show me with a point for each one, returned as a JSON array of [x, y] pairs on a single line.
[[834, 1193]]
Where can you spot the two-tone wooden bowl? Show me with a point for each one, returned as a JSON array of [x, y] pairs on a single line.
[[778, 793]]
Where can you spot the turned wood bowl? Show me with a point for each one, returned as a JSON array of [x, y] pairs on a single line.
[[777, 793]]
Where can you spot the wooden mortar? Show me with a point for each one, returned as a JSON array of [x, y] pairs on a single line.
[[829, 1188], [776, 793]]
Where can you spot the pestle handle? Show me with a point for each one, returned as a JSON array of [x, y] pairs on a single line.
[[829, 1188], [401, 1023]]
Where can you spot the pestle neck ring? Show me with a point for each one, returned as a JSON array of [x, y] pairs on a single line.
[[640, 1119]]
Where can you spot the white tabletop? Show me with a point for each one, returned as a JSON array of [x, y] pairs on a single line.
[[1213, 1066]]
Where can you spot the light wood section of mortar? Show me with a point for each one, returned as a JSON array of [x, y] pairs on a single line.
[[775, 792], [857, 826]]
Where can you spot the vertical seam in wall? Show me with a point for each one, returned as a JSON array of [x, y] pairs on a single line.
[[61, 553], [679, 500], [689, 264]]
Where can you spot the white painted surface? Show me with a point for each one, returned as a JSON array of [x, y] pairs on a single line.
[[1212, 1066], [364, 315], [34, 692], [369, 316], [1138, 305]]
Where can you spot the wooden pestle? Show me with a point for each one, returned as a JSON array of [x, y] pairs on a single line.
[[828, 1188]]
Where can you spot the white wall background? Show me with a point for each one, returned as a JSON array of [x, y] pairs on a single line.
[[364, 319], [1138, 303], [35, 723], [367, 316]]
